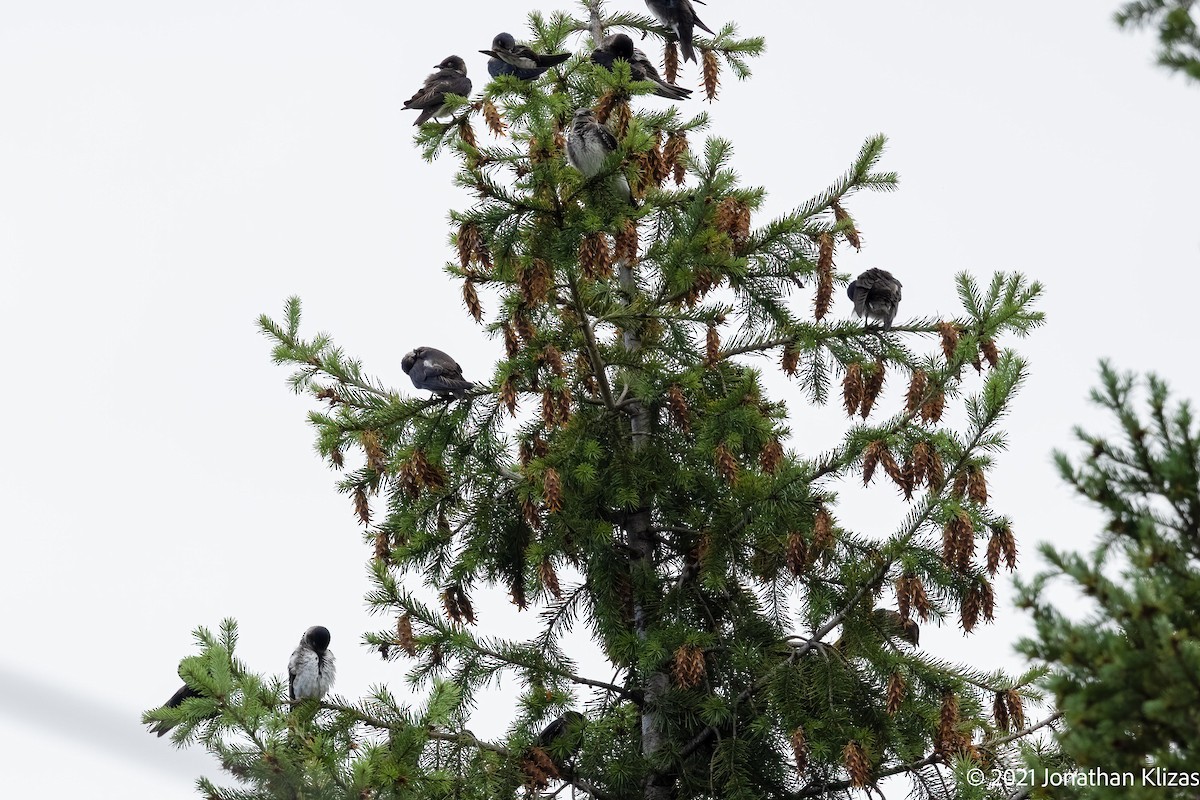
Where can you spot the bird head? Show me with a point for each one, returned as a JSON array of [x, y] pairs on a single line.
[[850, 289], [621, 46], [504, 41], [584, 114], [452, 62], [410, 358], [318, 638]]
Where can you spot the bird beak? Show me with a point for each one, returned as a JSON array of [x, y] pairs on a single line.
[[491, 53]]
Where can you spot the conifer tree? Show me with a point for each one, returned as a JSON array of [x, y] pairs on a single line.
[[624, 472], [1178, 34], [1125, 677]]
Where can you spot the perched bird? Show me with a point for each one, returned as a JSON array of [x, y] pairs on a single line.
[[510, 58], [311, 667], [435, 371], [161, 727], [679, 17], [563, 737], [621, 46], [450, 78], [588, 144], [876, 295]]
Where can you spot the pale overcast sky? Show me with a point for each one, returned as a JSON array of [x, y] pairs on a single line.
[[170, 170]]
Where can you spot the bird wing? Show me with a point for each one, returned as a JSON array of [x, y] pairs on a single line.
[[440, 364], [606, 137], [690, 11], [520, 56], [295, 665]]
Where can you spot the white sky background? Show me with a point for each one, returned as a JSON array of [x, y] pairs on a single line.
[[168, 171]]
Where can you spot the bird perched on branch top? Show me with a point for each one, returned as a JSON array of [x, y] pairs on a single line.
[[161, 727], [311, 667], [434, 371], [621, 46], [876, 295], [563, 736], [450, 78], [589, 144], [510, 58], [679, 17]]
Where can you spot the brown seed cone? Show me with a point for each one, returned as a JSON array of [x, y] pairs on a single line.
[[594, 257], [516, 592], [689, 668], [1008, 544], [430, 474], [853, 389], [733, 219], [511, 345], [549, 408], [921, 461], [903, 596], [494, 121], [531, 513], [906, 472], [987, 601], [337, 458], [947, 733], [936, 476], [525, 329], [468, 241], [796, 556], [376, 457], [977, 485], [552, 358], [712, 345], [872, 386], [895, 693], [471, 299], [916, 390], [1000, 712], [949, 339], [539, 769], [993, 552], [969, 609], [892, 468], [450, 605], [508, 395], [677, 403], [464, 605], [563, 406], [1016, 709], [673, 153], [855, 759], [790, 361], [988, 348], [931, 410], [383, 548], [604, 107], [404, 635], [622, 115], [535, 280], [822, 531], [712, 74], [552, 491], [670, 62], [958, 490], [466, 132], [800, 750], [823, 300], [771, 457], [626, 242], [871, 458], [851, 231], [549, 579], [361, 506], [920, 601], [726, 463]]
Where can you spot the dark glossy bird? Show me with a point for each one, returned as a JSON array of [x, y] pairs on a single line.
[[161, 727], [510, 58], [876, 295], [311, 668], [588, 146], [563, 737], [679, 17], [450, 78], [434, 371], [621, 46]]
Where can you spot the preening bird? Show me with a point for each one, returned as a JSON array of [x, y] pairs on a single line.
[[679, 17], [450, 78], [510, 58], [311, 668], [620, 46], [563, 737], [588, 145], [435, 371], [876, 295], [161, 727]]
